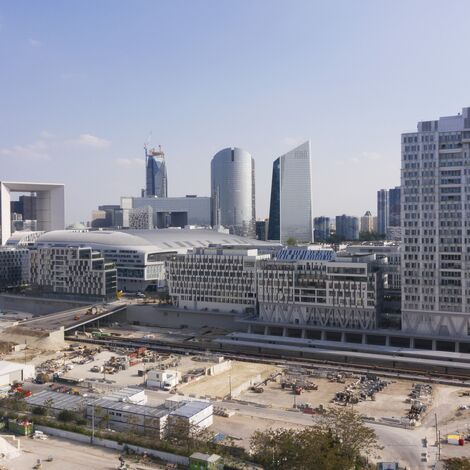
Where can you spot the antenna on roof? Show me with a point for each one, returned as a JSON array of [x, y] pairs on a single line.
[[146, 144]]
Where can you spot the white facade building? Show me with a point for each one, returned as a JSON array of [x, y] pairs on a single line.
[[72, 270], [11, 372], [215, 279], [339, 293], [140, 255], [435, 222], [191, 415], [171, 211], [290, 213], [165, 379], [50, 209]]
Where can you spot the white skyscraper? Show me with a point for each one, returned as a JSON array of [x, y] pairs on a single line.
[[290, 214], [435, 222]]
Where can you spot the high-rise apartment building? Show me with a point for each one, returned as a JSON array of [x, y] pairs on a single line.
[[156, 181], [368, 223], [233, 191], [347, 227], [290, 213], [436, 227], [321, 227]]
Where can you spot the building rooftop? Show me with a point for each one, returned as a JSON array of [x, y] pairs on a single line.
[[124, 394], [150, 411], [191, 408], [160, 240], [57, 401], [7, 367]]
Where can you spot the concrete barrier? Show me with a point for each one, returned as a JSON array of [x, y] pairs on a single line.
[[245, 385], [219, 368], [109, 444]]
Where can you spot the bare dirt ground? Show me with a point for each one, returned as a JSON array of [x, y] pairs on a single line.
[[389, 403], [241, 428], [67, 455], [220, 385]]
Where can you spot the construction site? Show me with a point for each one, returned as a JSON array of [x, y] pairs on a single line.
[[158, 371]]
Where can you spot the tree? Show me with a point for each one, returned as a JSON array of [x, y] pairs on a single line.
[[462, 463], [347, 427], [291, 241], [39, 411], [66, 416], [305, 449], [338, 441]]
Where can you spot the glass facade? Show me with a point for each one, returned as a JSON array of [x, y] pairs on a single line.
[[382, 211], [347, 227], [156, 184], [274, 227], [291, 197], [233, 191], [322, 229], [394, 207]]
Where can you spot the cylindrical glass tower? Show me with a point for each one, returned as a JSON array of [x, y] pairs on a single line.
[[233, 191]]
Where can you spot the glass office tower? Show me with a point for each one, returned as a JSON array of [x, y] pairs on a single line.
[[382, 211], [290, 214], [156, 182], [394, 207], [233, 191]]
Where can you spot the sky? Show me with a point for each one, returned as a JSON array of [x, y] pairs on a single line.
[[83, 85]]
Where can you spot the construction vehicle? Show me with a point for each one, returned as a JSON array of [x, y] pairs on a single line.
[[310, 386]]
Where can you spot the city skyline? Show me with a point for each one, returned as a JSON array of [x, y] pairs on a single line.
[[92, 99]]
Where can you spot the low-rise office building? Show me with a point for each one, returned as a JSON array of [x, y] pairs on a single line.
[[171, 211], [122, 416], [191, 415], [343, 292], [78, 271], [215, 279], [14, 267], [140, 255]]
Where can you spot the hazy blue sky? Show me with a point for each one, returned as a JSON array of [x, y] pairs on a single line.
[[83, 83]]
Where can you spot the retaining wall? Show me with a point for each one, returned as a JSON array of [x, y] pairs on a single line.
[[246, 385], [37, 305], [167, 317]]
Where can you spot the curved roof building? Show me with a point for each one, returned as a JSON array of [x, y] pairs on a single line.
[[233, 191], [140, 255]]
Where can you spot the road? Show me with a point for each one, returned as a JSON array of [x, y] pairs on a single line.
[[66, 319], [399, 444]]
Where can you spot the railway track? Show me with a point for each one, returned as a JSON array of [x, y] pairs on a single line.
[[274, 359]]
